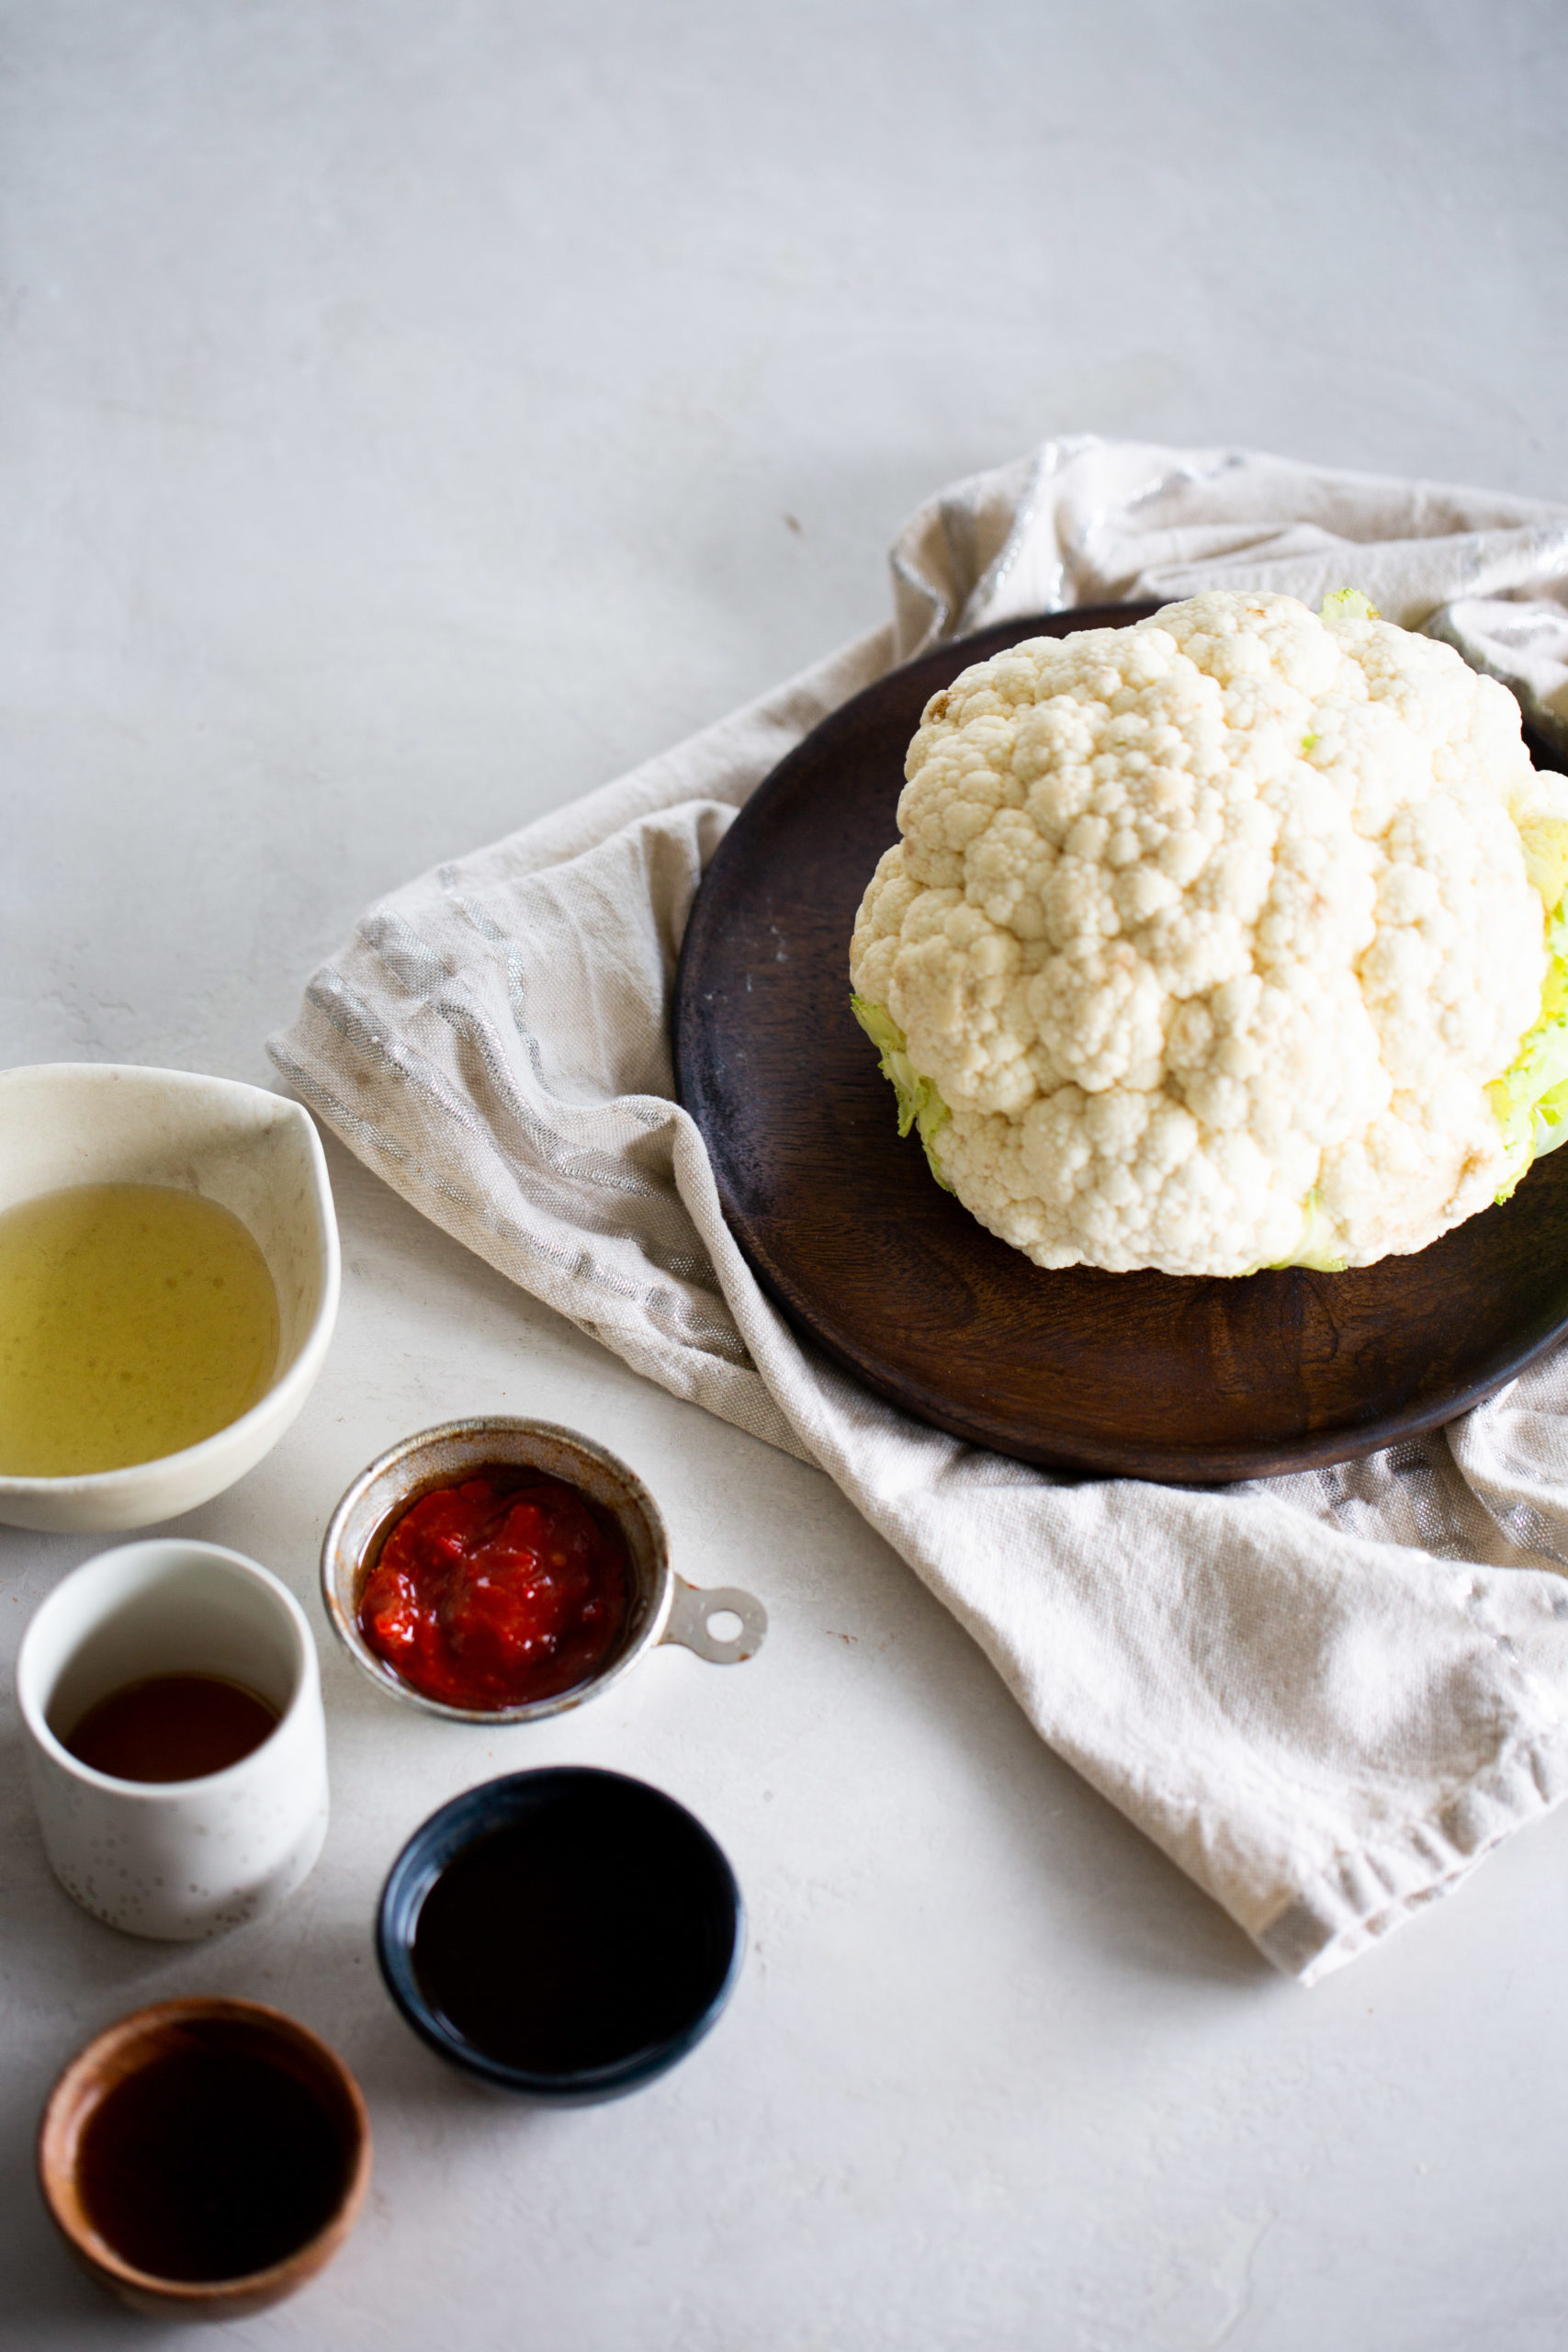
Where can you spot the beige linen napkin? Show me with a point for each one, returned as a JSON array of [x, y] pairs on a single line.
[[1324, 1696]]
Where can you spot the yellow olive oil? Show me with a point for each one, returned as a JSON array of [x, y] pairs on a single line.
[[134, 1320]]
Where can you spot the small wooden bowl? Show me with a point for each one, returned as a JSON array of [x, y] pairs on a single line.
[[239, 2028]]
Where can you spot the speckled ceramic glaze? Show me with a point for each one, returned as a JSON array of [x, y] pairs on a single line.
[[178, 1859], [92, 1123]]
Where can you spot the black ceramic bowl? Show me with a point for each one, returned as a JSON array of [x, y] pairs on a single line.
[[567, 1933]]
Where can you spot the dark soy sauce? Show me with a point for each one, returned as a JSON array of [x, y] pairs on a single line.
[[172, 1727], [589, 1931], [208, 2163]]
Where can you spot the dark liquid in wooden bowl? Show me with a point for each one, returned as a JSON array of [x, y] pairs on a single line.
[[210, 2163]]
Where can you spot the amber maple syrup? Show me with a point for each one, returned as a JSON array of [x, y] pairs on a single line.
[[172, 1727]]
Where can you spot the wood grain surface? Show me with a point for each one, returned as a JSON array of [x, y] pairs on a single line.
[[1145, 1376]]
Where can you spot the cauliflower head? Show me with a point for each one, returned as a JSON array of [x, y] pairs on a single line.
[[1236, 938]]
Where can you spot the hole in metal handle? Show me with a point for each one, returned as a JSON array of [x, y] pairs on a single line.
[[723, 1624]]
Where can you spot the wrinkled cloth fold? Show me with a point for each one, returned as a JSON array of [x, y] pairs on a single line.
[[1324, 1696]]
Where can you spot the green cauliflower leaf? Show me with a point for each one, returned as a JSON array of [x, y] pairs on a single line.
[[1531, 1099], [1312, 1249], [919, 1104], [1347, 605]]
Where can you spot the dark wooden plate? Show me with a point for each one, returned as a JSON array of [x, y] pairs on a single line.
[[1144, 1376]]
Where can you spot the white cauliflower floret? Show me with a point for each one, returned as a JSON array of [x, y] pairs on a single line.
[[1221, 941]]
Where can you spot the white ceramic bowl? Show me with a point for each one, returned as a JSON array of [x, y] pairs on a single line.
[[97, 1123]]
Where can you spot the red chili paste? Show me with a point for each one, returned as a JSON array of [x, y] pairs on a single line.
[[507, 1588]]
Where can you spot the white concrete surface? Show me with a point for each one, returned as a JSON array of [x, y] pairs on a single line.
[[411, 417]]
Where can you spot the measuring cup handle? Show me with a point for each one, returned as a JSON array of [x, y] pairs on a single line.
[[691, 1609]]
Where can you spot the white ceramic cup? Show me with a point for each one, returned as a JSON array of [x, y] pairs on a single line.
[[178, 1859]]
